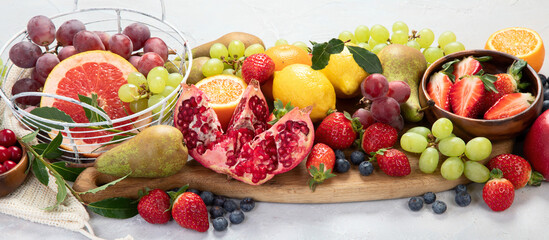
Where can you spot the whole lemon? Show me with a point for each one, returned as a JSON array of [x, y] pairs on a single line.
[[303, 86], [344, 74]]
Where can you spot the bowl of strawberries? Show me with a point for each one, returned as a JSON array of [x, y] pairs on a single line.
[[484, 93], [14, 162]]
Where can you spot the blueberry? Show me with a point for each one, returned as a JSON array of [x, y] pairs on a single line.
[[339, 153], [219, 200], [366, 168], [357, 157], [460, 188], [545, 105], [230, 205], [207, 197], [439, 207], [342, 165], [220, 223], [247, 204], [216, 211], [194, 191], [463, 199], [236, 217], [415, 203], [429, 197]]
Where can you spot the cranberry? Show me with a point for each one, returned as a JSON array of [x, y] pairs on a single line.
[[15, 153], [4, 154], [2, 169], [8, 165], [7, 138]]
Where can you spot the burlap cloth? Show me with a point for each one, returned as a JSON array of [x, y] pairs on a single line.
[[32, 197]]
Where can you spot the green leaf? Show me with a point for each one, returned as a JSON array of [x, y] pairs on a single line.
[[68, 173], [322, 51], [54, 154], [91, 115], [31, 161], [53, 146], [104, 186], [40, 172], [61, 192], [488, 80], [29, 137], [484, 58], [366, 59], [118, 207], [52, 114]]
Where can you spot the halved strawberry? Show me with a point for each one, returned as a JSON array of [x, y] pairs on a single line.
[[439, 90], [467, 95], [509, 105], [506, 82], [467, 66]]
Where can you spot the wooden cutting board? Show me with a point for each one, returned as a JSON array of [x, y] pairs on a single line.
[[290, 187]]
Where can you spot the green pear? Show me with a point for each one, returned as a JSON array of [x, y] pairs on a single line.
[[403, 63], [156, 151]]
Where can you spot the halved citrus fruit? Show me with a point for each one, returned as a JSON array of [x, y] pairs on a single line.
[[284, 55], [521, 42], [99, 72], [224, 92]]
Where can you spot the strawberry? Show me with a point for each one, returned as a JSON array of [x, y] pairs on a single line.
[[258, 66], [190, 212], [506, 82], [338, 130], [509, 105], [320, 164], [468, 66], [439, 90], [378, 136], [515, 169], [393, 162], [467, 95], [154, 207], [498, 193]]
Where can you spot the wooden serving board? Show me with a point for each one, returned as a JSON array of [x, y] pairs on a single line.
[[290, 187]]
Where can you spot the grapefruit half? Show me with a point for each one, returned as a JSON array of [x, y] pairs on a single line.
[[99, 72]]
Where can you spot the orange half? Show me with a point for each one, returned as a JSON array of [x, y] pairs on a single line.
[[224, 92], [523, 43]]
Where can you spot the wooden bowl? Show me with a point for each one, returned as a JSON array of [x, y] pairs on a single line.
[[12, 179], [492, 129]]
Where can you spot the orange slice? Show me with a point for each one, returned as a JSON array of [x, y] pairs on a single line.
[[521, 42], [99, 72], [224, 92]]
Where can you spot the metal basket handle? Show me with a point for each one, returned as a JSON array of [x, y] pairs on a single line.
[[162, 5]]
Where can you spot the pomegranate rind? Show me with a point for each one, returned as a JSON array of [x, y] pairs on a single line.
[[222, 152]]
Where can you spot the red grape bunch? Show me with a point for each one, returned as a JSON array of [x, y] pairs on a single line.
[[383, 100], [48, 46]]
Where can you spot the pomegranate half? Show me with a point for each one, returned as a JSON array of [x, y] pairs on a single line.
[[251, 150]]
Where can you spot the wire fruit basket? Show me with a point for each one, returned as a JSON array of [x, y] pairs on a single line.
[[76, 145]]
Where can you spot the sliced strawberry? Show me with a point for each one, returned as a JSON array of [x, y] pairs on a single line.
[[467, 66], [439, 90], [506, 82], [509, 105], [466, 96]]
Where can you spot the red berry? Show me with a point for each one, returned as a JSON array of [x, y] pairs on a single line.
[[258, 66], [15, 153], [7, 138], [154, 206], [378, 136], [189, 211], [515, 169], [393, 163], [8, 165], [337, 130], [2, 169], [4, 154], [498, 194]]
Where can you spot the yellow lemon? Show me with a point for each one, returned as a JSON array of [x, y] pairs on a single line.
[[344, 74], [303, 86]]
